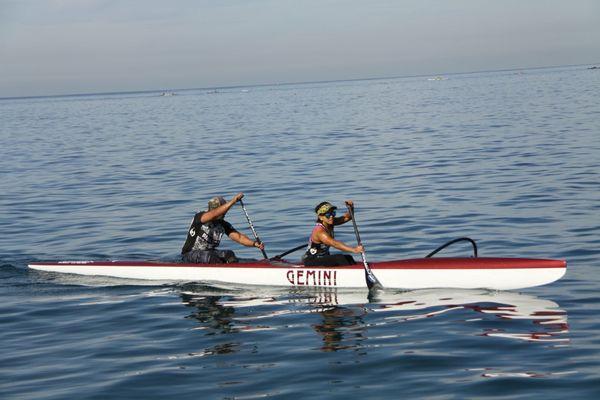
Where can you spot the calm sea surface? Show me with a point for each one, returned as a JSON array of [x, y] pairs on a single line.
[[510, 159]]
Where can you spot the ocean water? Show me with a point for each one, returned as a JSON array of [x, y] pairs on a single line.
[[510, 159]]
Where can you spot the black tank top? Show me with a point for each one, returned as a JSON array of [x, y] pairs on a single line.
[[317, 249], [205, 236]]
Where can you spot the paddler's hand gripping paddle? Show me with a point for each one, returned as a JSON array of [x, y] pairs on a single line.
[[264, 253], [372, 281]]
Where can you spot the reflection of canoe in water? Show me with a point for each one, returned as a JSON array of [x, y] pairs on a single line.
[[536, 319], [464, 273], [504, 302]]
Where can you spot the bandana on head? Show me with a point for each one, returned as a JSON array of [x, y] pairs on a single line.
[[324, 208], [215, 202]]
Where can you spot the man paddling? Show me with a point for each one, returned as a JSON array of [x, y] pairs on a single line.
[[205, 232]]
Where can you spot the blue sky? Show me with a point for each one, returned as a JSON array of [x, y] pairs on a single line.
[[81, 46]]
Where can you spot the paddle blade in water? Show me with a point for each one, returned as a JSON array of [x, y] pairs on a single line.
[[372, 282]]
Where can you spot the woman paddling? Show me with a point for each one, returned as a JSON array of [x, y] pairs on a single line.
[[322, 238]]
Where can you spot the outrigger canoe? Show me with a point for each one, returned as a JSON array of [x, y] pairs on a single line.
[[421, 273]]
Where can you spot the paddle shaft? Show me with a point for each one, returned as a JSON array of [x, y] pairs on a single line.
[[372, 281], [264, 253]]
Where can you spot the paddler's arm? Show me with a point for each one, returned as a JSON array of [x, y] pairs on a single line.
[[346, 217], [221, 210], [245, 240], [329, 241]]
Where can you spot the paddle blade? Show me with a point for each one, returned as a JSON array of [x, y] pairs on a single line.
[[372, 281]]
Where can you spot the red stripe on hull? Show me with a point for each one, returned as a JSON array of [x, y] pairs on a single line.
[[419, 263], [470, 263]]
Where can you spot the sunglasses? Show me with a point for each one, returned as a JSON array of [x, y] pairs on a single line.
[[329, 214]]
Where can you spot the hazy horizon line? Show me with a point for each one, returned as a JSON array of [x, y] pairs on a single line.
[[288, 83]]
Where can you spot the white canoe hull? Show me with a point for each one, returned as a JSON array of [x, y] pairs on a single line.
[[463, 273]]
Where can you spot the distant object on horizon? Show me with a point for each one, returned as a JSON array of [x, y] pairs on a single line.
[[594, 67], [437, 78], [167, 94]]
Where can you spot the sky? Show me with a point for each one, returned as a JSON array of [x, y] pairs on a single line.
[[85, 46]]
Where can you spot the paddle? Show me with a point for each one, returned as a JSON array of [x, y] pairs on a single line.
[[372, 281], [264, 253]]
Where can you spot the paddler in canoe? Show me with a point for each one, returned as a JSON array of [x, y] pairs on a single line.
[[322, 238], [205, 232]]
